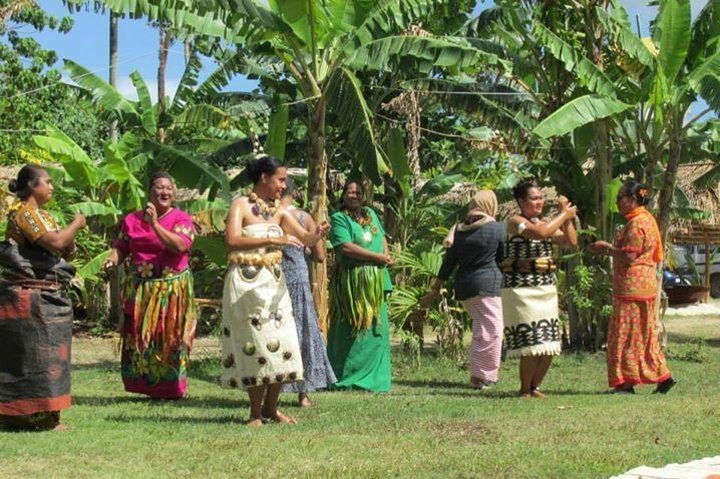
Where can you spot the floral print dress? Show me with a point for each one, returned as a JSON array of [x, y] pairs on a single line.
[[159, 307], [634, 355]]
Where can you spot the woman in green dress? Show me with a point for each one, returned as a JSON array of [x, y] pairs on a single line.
[[359, 334]]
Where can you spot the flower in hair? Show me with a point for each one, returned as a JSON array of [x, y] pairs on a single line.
[[643, 192]]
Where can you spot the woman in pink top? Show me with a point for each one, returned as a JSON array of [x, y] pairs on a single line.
[[159, 307]]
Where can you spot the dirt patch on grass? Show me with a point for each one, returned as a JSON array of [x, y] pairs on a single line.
[[463, 432], [689, 329], [89, 350]]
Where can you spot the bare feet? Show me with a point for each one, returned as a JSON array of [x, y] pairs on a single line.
[[61, 427], [525, 394], [305, 401], [537, 394], [255, 423], [281, 418]]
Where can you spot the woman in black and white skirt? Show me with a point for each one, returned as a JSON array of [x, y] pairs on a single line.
[[529, 294]]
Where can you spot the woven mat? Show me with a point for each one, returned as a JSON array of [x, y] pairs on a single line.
[[708, 468]]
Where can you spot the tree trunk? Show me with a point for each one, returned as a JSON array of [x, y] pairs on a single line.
[[113, 286], [113, 40], [669, 180], [604, 167], [414, 136], [165, 37], [317, 189]]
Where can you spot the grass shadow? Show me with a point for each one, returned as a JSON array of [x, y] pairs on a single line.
[[98, 366], [458, 388], [692, 339], [226, 419], [205, 369], [199, 402], [437, 384]]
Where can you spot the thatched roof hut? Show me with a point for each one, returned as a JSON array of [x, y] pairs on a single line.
[[461, 193], [705, 199], [684, 230]]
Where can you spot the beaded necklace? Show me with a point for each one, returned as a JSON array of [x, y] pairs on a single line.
[[361, 217], [261, 208], [365, 221]]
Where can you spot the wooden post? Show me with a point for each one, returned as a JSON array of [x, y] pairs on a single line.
[[707, 263]]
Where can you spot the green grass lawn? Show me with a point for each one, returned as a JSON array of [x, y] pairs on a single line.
[[430, 425]]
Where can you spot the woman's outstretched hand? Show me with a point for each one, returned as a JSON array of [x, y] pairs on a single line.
[[387, 260], [566, 207], [80, 220], [322, 229], [600, 247]]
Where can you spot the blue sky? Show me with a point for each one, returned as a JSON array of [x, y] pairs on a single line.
[[87, 44]]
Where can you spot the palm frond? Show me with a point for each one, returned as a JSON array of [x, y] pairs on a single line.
[[111, 104], [347, 101], [674, 32], [148, 113], [200, 116], [705, 80], [385, 18], [75, 161], [422, 54], [482, 25], [578, 112], [616, 22], [589, 75], [186, 88], [705, 33]]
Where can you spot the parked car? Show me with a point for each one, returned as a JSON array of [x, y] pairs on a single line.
[[688, 261]]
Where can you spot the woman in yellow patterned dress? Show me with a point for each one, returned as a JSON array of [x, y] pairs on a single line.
[[634, 355], [35, 311]]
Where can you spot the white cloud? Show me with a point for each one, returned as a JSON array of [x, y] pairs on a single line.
[[127, 89]]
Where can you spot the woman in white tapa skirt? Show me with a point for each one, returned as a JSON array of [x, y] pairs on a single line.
[[260, 343]]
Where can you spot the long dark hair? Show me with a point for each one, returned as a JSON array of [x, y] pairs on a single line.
[[345, 188], [28, 178], [520, 191], [637, 190], [265, 164]]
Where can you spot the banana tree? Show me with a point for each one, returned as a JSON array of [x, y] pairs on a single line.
[[553, 65], [198, 121], [101, 190], [322, 44], [684, 68]]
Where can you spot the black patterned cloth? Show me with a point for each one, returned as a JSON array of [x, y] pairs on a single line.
[[530, 301], [35, 331], [518, 248]]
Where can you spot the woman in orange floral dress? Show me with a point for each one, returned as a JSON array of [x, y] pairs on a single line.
[[634, 355]]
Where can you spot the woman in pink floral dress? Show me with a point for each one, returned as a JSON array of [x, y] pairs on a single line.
[[159, 307]]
